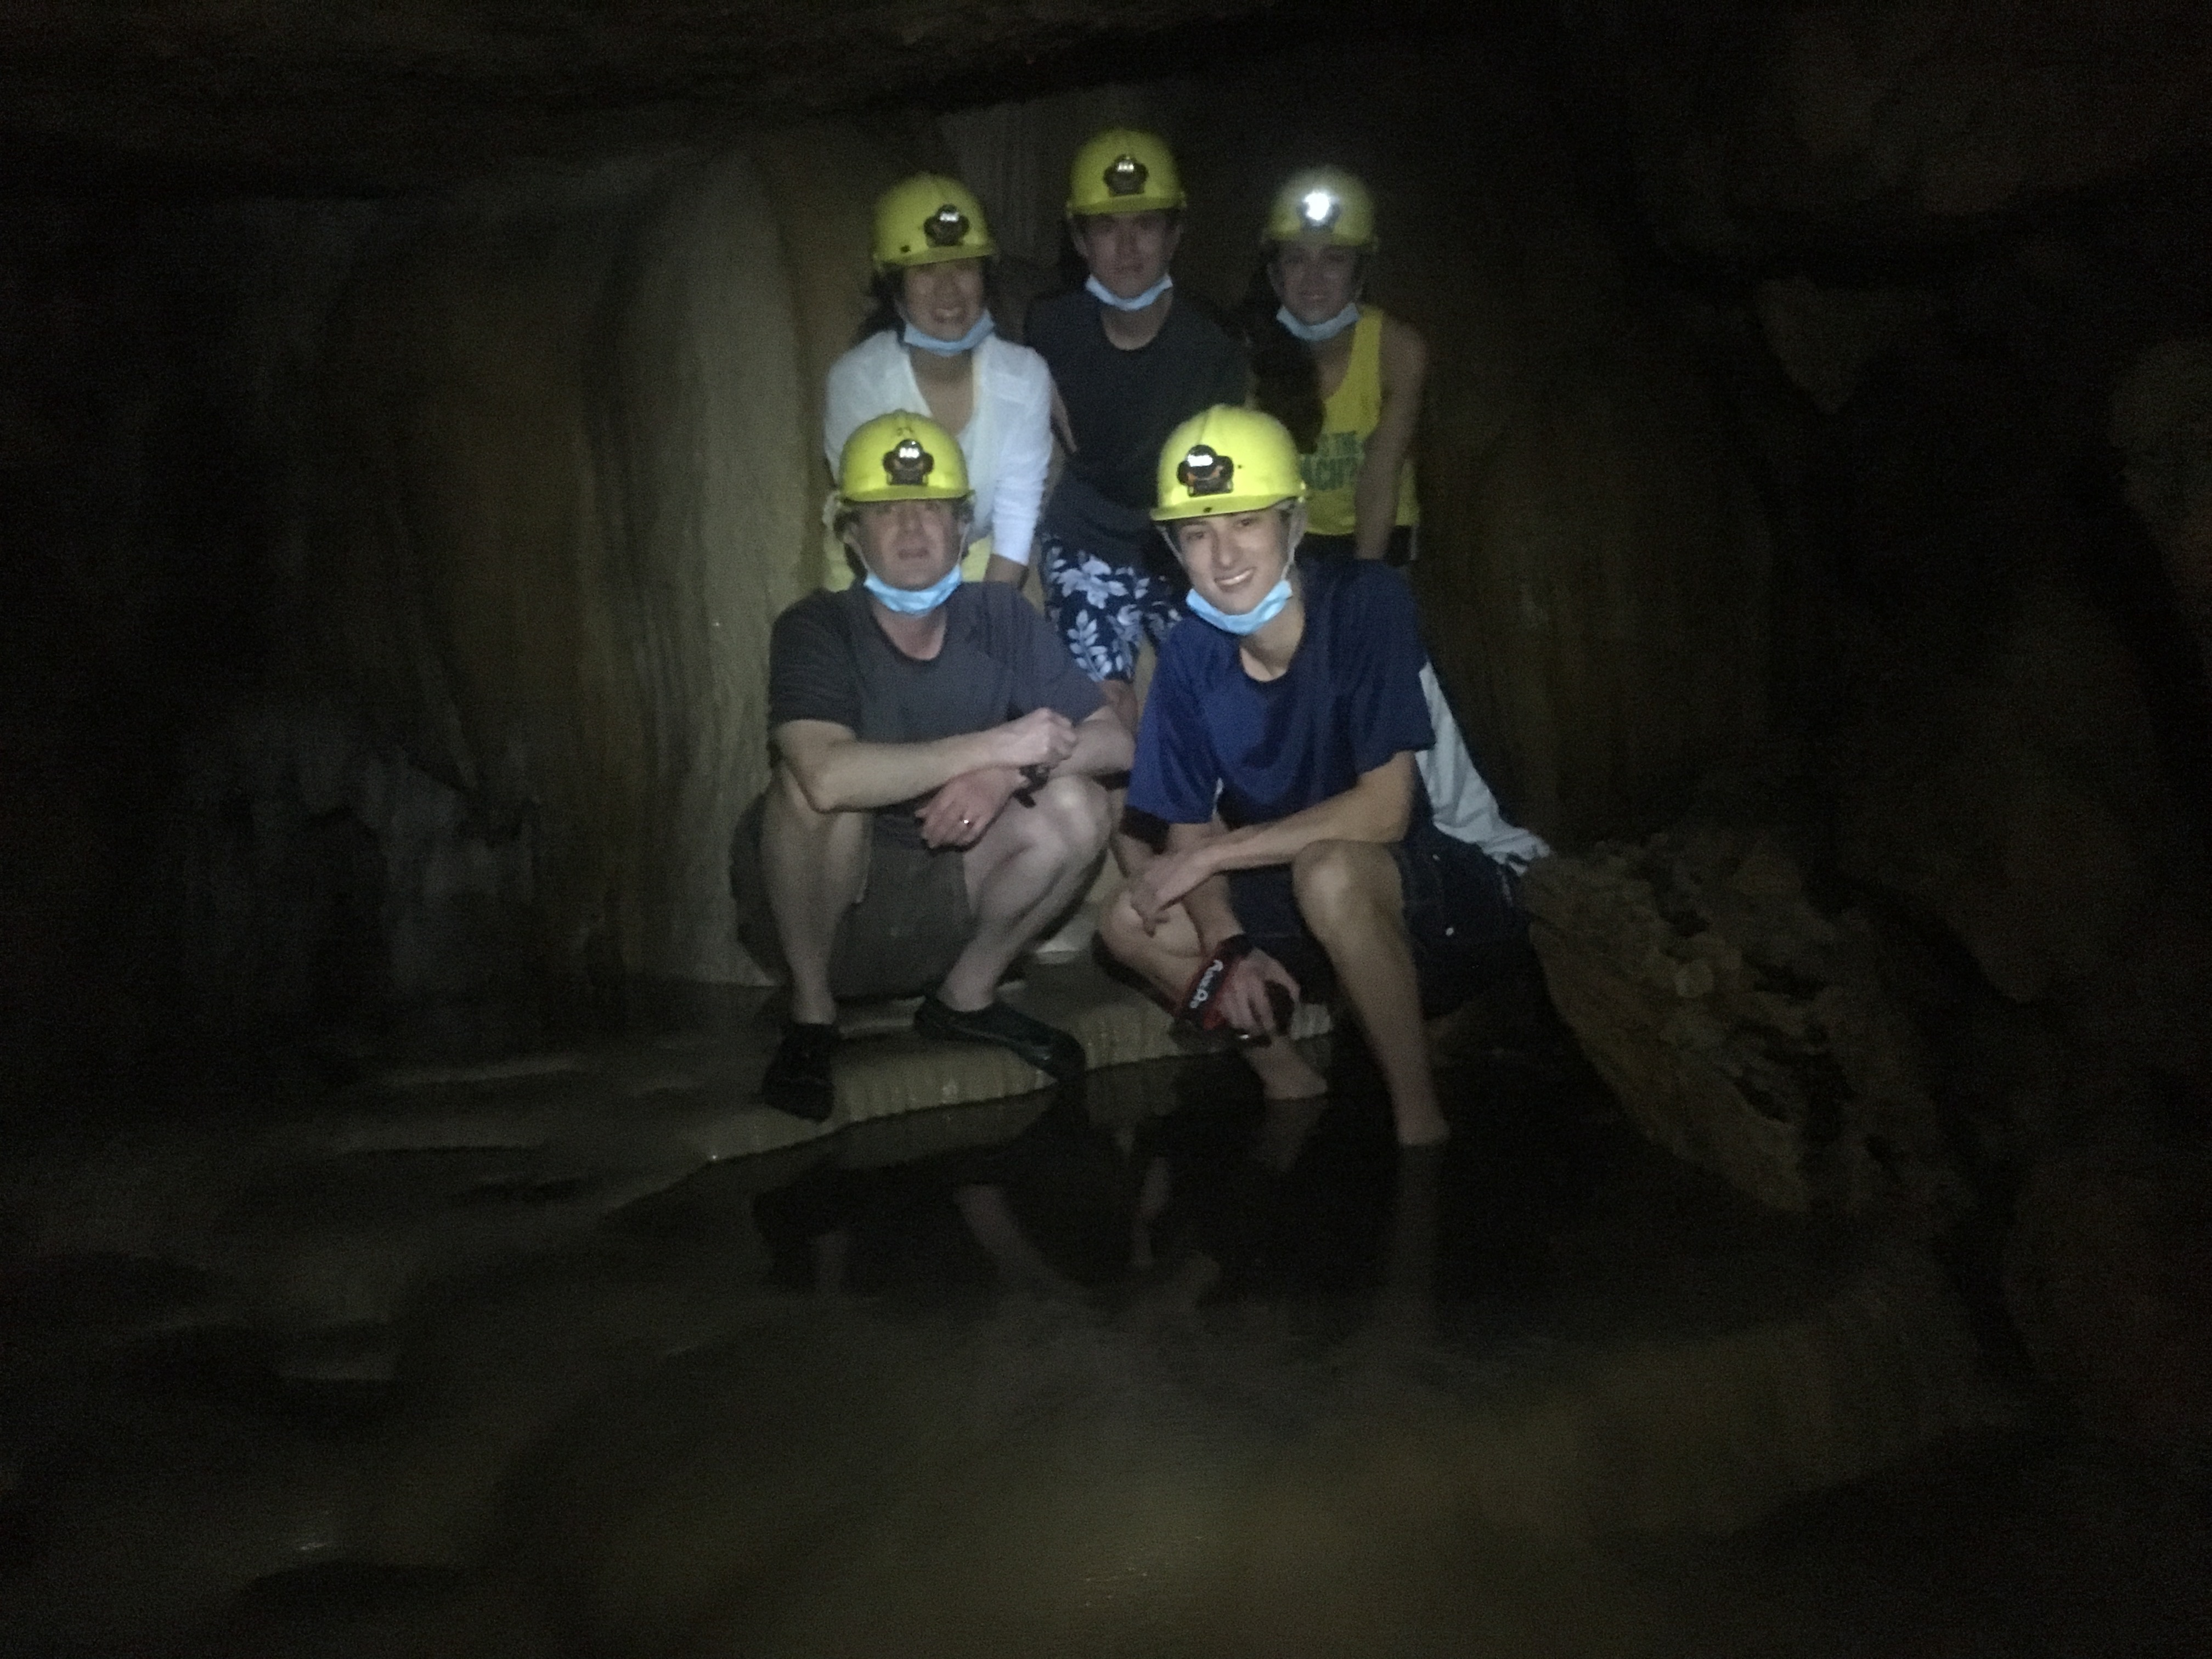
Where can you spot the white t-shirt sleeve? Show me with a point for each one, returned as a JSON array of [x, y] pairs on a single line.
[[1459, 800], [859, 388], [1022, 386]]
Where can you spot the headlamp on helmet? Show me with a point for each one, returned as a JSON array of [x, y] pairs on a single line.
[[928, 219], [900, 457], [1323, 203], [1225, 460], [1123, 171]]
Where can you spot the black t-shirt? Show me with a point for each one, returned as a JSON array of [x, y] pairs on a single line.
[[827, 660], [1122, 405]]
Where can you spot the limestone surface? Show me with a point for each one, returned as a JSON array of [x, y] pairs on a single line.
[[1740, 1027]]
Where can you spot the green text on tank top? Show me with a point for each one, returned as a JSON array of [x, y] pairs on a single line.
[[1349, 414]]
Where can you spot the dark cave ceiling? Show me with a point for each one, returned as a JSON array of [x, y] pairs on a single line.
[[396, 93], [1753, 128]]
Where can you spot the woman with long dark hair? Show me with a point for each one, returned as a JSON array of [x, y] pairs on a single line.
[[1344, 377], [930, 347]]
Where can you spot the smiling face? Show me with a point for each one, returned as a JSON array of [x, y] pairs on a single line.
[[1235, 559], [1129, 252], [909, 544], [943, 299], [1315, 279]]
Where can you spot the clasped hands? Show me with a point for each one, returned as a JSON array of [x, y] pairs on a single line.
[[966, 805]]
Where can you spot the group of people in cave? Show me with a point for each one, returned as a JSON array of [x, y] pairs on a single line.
[[1292, 809]]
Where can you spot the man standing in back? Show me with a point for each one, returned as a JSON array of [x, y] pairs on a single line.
[[1130, 364]]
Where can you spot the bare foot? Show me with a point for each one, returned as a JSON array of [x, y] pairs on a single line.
[[1427, 1128], [1284, 1073]]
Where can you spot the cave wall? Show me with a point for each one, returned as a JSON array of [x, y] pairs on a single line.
[[561, 477], [518, 472], [548, 473]]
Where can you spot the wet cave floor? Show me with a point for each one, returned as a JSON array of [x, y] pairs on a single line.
[[1549, 1393]]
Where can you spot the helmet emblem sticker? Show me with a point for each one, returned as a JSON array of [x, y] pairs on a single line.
[[1203, 472], [1321, 208], [1125, 176], [907, 464], [946, 227]]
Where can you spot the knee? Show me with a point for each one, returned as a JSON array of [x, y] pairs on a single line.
[[1075, 813], [1119, 928], [1337, 880], [786, 794], [790, 816]]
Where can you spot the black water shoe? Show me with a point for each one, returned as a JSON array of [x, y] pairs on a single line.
[[797, 1079], [1048, 1048]]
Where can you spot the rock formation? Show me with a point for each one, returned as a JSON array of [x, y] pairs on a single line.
[[1740, 1027]]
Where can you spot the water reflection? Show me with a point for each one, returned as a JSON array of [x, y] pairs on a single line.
[[1161, 1371]]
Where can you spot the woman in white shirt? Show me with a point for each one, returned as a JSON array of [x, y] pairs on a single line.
[[930, 348]]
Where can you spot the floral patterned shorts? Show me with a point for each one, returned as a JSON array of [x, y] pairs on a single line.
[[1102, 609]]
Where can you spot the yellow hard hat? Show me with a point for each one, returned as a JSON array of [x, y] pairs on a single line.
[[1227, 459], [1123, 171], [1324, 202], [900, 457], [928, 219]]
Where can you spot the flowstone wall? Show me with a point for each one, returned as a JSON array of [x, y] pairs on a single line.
[[557, 474], [561, 477]]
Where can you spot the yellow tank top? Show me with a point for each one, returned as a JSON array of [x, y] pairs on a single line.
[[1333, 469]]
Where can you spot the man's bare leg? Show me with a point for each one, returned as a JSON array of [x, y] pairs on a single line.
[[813, 864], [1350, 897], [1168, 958], [1029, 866]]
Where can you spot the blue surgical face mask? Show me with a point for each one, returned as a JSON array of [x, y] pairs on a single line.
[[1106, 296], [983, 330], [914, 601], [1252, 621], [1314, 333]]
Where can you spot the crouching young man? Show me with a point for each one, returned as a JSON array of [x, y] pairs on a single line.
[[933, 807], [1284, 745]]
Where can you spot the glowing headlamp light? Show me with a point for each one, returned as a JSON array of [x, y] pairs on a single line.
[[1319, 208]]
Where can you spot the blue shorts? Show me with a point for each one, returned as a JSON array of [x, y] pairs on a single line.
[[1102, 610], [1461, 913]]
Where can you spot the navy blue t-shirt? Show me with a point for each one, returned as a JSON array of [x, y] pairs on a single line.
[[1349, 700]]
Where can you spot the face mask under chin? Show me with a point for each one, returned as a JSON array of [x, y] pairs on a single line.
[[1250, 622], [983, 329], [914, 601], [1105, 295]]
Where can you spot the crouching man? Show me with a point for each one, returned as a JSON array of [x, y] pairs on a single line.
[[1285, 745], [933, 807]]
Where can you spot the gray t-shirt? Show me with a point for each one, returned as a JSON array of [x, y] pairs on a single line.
[[827, 660]]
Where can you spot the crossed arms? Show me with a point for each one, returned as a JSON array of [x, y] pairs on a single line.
[[968, 778]]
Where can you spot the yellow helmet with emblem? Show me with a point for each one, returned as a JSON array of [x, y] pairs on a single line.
[[1227, 459], [1123, 171], [928, 219], [900, 457], [1326, 204]]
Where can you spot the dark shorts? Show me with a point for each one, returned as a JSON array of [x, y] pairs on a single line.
[[909, 926], [1103, 610], [1462, 916], [1404, 540]]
